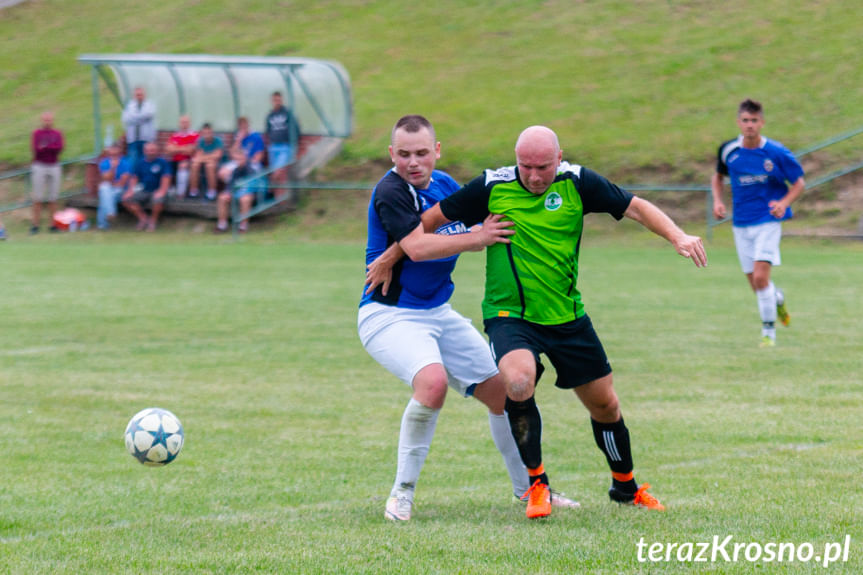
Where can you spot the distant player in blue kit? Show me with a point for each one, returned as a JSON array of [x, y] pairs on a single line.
[[760, 170], [406, 324]]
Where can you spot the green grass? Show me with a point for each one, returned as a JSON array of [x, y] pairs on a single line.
[[291, 428], [630, 86]]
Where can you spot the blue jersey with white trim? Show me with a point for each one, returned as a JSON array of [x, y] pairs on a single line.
[[395, 210], [758, 176]]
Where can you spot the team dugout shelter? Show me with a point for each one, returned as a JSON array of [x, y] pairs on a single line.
[[218, 89]]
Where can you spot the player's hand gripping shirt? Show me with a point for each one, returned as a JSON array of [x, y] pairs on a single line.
[[758, 176], [534, 277], [395, 211]]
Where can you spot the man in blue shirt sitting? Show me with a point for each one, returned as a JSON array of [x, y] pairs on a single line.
[[148, 187], [114, 172], [247, 153]]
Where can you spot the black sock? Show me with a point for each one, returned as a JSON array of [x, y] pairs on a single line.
[[526, 425], [613, 440]]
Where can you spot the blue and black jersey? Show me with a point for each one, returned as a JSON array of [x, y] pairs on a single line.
[[395, 210], [758, 177]]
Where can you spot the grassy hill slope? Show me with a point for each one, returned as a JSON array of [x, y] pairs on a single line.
[[630, 86]]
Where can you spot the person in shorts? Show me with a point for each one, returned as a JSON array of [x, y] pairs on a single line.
[[283, 136], [405, 321], [148, 187], [179, 149], [760, 170], [45, 172], [246, 157], [208, 157]]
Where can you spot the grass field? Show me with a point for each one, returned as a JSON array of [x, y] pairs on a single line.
[[291, 429], [630, 86]]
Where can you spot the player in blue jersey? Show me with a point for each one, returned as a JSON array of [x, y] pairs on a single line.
[[760, 170], [406, 324]]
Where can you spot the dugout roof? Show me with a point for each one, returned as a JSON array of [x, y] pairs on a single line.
[[218, 89]]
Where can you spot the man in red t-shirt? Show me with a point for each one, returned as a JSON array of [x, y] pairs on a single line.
[[179, 149], [45, 172]]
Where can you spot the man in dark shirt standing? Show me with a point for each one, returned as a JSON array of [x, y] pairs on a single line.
[[45, 172], [283, 136]]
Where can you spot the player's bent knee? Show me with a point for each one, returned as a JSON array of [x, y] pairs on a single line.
[[604, 409], [520, 387], [430, 385]]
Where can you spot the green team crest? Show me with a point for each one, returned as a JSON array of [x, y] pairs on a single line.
[[553, 201]]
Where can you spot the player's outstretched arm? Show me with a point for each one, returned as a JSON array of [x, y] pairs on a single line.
[[659, 223], [433, 218], [420, 246]]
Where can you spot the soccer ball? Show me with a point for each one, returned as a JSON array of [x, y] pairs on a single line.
[[154, 436]]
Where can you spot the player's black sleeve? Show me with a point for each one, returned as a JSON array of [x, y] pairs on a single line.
[[397, 206], [468, 205], [600, 195], [721, 168]]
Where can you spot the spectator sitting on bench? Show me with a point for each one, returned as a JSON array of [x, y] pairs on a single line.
[[247, 153], [179, 149], [114, 172], [148, 187], [208, 154]]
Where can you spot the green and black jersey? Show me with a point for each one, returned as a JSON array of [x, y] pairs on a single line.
[[534, 277]]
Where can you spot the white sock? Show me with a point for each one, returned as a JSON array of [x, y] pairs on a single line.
[[182, 181], [767, 309], [501, 434], [415, 437]]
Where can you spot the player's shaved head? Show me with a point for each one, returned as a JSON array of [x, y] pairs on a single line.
[[536, 138], [537, 155]]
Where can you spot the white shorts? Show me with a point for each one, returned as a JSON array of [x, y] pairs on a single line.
[[759, 243], [406, 340]]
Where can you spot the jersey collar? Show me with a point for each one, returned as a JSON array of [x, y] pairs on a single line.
[[761, 144]]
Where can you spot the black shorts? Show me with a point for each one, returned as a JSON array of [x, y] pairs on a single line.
[[573, 348]]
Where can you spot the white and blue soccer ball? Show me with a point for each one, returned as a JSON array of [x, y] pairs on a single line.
[[154, 436]]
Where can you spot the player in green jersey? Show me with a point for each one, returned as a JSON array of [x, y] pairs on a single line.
[[532, 305]]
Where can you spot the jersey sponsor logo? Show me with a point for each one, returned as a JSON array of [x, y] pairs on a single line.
[[553, 201], [752, 180], [452, 229], [768, 166], [506, 174]]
